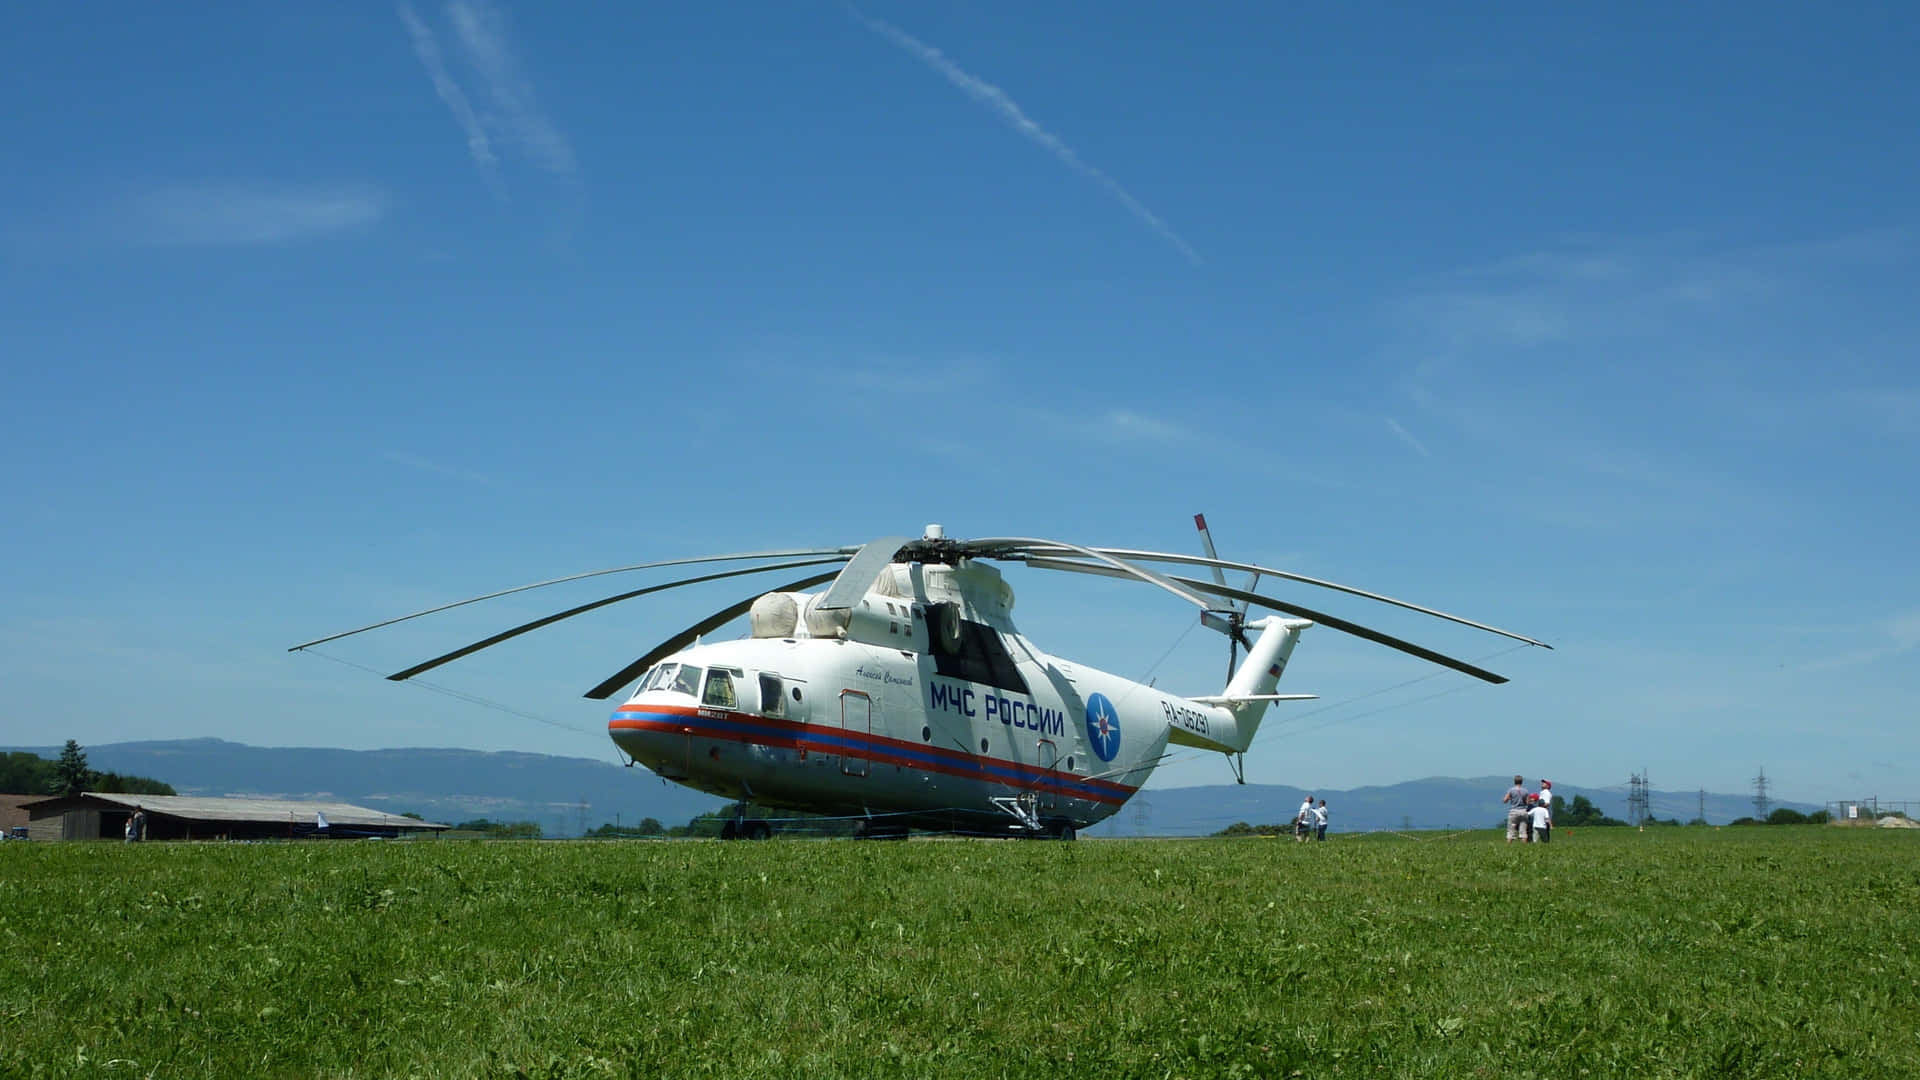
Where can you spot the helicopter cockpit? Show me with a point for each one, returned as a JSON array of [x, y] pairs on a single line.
[[717, 690], [676, 678]]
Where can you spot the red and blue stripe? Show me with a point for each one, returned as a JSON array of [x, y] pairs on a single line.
[[748, 728]]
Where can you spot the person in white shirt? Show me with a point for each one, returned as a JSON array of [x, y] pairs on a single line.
[[1542, 819], [1320, 821], [1303, 821]]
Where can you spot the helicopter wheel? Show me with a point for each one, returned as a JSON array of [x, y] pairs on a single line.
[[1058, 830]]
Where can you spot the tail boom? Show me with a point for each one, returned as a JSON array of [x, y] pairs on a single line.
[[1238, 710]]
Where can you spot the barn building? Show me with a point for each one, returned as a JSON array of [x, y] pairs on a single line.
[[102, 816], [13, 814]]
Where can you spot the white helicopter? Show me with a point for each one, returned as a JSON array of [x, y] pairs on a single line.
[[903, 695]]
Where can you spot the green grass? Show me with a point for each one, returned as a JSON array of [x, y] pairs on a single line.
[[1674, 952]]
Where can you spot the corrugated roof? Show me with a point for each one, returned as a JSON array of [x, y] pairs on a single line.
[[206, 808]]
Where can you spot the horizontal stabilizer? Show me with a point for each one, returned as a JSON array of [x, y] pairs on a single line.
[[1236, 699]]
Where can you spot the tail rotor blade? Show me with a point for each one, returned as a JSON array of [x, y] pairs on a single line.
[[1237, 637], [1206, 543]]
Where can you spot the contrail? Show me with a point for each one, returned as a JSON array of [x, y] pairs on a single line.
[[515, 120], [996, 99], [481, 30], [479, 147]]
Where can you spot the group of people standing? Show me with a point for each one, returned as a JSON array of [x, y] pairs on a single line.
[[1311, 822], [1529, 813]]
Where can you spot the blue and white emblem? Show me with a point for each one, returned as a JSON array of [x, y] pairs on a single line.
[[1103, 727]]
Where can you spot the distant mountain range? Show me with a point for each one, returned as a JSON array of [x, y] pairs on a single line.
[[567, 795]]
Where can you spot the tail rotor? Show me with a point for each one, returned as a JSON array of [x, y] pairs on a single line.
[[1233, 621]]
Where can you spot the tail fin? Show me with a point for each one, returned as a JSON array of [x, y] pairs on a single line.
[[1251, 689]]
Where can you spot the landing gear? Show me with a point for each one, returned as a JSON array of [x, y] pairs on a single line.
[[869, 829], [742, 829], [1058, 829]]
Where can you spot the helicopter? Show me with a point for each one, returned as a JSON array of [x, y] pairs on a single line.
[[903, 696]]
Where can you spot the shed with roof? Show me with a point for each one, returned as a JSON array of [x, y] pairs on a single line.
[[104, 816], [13, 814]]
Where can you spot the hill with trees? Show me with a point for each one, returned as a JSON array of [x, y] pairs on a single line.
[[24, 773]]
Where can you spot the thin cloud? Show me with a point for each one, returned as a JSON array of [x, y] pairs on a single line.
[[1894, 410], [997, 100], [1898, 635], [513, 117], [1113, 427], [482, 31], [1133, 427], [420, 464], [479, 146], [243, 214], [1406, 437]]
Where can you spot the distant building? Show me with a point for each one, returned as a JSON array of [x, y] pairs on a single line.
[[101, 816], [13, 814]]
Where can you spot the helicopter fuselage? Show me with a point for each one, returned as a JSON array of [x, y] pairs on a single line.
[[845, 728], [954, 722]]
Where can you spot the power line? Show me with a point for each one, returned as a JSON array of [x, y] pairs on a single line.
[[1760, 801]]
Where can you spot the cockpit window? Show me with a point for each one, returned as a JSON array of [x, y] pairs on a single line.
[[719, 690], [771, 702], [686, 681]]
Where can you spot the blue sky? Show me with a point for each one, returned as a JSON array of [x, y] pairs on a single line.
[[1599, 327]]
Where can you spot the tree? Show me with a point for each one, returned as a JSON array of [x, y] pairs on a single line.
[[24, 773], [70, 774], [1241, 828], [1583, 812], [1786, 816], [500, 830], [130, 785]]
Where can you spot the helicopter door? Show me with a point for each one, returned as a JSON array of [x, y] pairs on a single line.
[[1048, 757], [856, 716]]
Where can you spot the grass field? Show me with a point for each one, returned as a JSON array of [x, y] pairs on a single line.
[[1675, 952]]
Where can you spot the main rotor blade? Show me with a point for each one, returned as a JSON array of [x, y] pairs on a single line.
[[1194, 560], [1014, 546], [860, 573], [786, 554], [401, 676], [1331, 621], [686, 637]]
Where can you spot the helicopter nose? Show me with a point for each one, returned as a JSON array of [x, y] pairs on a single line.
[[649, 736]]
